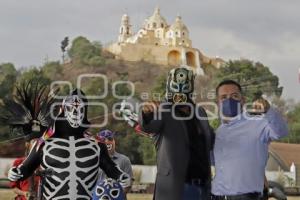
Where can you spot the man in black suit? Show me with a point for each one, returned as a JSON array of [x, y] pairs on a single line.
[[183, 139]]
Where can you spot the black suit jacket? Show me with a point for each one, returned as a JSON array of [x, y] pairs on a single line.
[[173, 150]]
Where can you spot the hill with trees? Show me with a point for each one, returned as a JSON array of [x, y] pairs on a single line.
[[86, 57]]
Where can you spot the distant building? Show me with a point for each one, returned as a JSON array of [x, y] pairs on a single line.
[[160, 43], [283, 155], [284, 163]]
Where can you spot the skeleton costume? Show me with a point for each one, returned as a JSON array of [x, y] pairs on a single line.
[[72, 157]]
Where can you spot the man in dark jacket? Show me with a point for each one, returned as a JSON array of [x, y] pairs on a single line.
[[183, 139]]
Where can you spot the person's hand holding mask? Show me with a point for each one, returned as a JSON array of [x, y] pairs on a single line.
[[261, 106]]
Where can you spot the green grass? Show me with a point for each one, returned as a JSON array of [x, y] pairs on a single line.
[[139, 196]]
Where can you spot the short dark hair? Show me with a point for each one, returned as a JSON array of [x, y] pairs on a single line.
[[228, 82]]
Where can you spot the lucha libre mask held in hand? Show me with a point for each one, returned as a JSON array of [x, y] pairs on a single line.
[[108, 189], [180, 85], [74, 110]]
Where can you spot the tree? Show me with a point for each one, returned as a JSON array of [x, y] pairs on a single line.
[[34, 74], [52, 70], [147, 151], [83, 52], [255, 78], [209, 69], [284, 106], [294, 125], [63, 47], [8, 77], [160, 86], [128, 143]]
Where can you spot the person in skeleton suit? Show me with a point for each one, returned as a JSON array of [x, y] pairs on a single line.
[[70, 155]]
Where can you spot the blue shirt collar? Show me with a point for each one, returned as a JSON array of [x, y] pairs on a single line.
[[239, 117]]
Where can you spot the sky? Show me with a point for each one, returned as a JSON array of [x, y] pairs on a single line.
[[267, 31]]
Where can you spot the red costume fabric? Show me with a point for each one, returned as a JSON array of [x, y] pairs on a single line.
[[22, 185]]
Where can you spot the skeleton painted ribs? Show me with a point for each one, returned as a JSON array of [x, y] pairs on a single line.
[[75, 163]]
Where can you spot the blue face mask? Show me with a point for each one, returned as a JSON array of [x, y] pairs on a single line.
[[230, 107]]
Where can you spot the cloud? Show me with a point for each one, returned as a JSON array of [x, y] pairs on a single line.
[[265, 31]]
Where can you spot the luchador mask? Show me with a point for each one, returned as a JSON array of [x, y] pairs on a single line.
[[108, 189], [74, 109], [180, 85]]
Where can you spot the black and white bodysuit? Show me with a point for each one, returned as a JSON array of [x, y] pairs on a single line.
[[75, 161]]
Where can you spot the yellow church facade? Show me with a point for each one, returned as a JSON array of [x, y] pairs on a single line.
[[160, 43]]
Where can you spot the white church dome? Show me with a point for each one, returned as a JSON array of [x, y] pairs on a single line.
[[155, 21], [178, 25]]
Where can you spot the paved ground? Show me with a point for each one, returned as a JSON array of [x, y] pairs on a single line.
[[6, 194]]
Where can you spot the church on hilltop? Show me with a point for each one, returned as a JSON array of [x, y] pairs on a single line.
[[160, 43]]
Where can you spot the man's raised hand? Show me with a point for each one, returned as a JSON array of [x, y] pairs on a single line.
[[150, 106]]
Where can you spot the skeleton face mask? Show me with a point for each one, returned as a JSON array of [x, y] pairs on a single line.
[[74, 110]]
